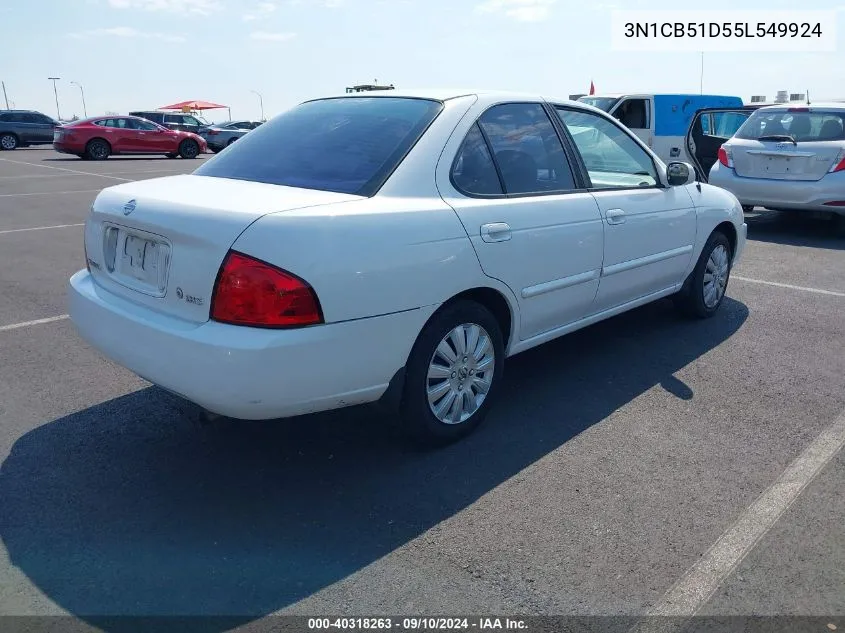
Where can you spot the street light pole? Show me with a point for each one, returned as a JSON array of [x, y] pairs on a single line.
[[55, 92], [84, 109], [261, 101]]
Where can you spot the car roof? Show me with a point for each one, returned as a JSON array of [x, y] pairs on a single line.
[[445, 94], [831, 105]]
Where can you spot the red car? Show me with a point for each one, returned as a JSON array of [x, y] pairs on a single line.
[[99, 137]]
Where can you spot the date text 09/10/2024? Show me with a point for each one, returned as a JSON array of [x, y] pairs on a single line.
[[416, 624], [723, 29]]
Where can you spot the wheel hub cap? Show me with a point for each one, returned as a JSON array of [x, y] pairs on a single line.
[[460, 373], [716, 276]]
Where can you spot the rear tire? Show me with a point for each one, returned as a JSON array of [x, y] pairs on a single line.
[[231, 140], [8, 142], [172, 155], [97, 149], [462, 385], [189, 148], [706, 287]]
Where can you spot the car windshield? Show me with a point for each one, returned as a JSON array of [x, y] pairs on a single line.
[[603, 103], [790, 124], [346, 145]]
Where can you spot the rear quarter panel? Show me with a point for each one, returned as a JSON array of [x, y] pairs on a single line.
[[371, 257]]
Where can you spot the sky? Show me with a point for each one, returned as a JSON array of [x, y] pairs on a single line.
[[144, 54]]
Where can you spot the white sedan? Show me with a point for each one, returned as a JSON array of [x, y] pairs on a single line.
[[394, 247]]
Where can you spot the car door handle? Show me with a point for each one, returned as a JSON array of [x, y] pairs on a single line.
[[615, 216], [495, 232]]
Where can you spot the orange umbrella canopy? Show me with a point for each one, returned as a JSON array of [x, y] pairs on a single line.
[[193, 105]]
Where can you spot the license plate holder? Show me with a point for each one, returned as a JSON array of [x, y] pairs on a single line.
[[140, 259]]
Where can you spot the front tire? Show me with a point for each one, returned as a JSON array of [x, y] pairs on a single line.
[[453, 374], [189, 148], [707, 285]]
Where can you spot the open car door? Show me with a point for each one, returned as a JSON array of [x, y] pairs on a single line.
[[709, 129]]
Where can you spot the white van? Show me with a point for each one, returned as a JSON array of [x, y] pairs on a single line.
[[662, 121]]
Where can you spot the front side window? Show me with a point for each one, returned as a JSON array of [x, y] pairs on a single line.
[[347, 144], [633, 114], [725, 124], [612, 158], [602, 103], [526, 149], [474, 172]]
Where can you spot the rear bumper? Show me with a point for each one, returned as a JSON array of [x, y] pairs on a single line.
[[67, 148], [241, 372], [782, 194]]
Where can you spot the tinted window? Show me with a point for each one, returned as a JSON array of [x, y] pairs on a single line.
[[189, 120], [725, 124], [348, 145], [7, 117], [145, 125], [474, 171], [526, 148], [612, 158], [801, 126], [28, 117]]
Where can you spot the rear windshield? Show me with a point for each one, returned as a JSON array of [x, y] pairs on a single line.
[[797, 125], [348, 145]]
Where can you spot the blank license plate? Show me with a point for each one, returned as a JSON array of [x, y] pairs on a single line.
[[778, 165], [140, 259]]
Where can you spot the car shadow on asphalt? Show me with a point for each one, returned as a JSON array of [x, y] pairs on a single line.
[[794, 230], [126, 508]]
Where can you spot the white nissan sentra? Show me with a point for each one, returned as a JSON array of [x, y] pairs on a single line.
[[394, 247]]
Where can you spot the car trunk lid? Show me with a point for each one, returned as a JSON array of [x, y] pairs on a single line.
[[160, 242], [784, 160]]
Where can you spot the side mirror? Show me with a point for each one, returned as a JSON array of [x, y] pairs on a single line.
[[679, 174]]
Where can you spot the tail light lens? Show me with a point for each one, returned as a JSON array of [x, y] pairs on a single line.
[[254, 293], [726, 157], [839, 162], [212, 132]]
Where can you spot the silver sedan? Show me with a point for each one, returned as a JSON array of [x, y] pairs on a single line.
[[787, 157], [221, 135]]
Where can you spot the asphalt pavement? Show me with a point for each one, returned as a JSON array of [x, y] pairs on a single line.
[[617, 460]]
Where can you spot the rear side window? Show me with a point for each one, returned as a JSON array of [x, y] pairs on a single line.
[[801, 126], [347, 145], [526, 149], [474, 172]]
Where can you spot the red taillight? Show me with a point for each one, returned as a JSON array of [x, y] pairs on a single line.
[[798, 109], [253, 293], [726, 157], [838, 162], [213, 132]]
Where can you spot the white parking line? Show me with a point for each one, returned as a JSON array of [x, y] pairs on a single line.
[[40, 228], [700, 582], [72, 171], [15, 326], [790, 286], [47, 193], [111, 173]]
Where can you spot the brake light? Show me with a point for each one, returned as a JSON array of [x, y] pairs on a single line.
[[838, 162], [213, 132], [798, 109], [254, 293], [726, 157]]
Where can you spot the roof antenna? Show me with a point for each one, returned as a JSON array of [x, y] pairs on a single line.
[[808, 97]]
